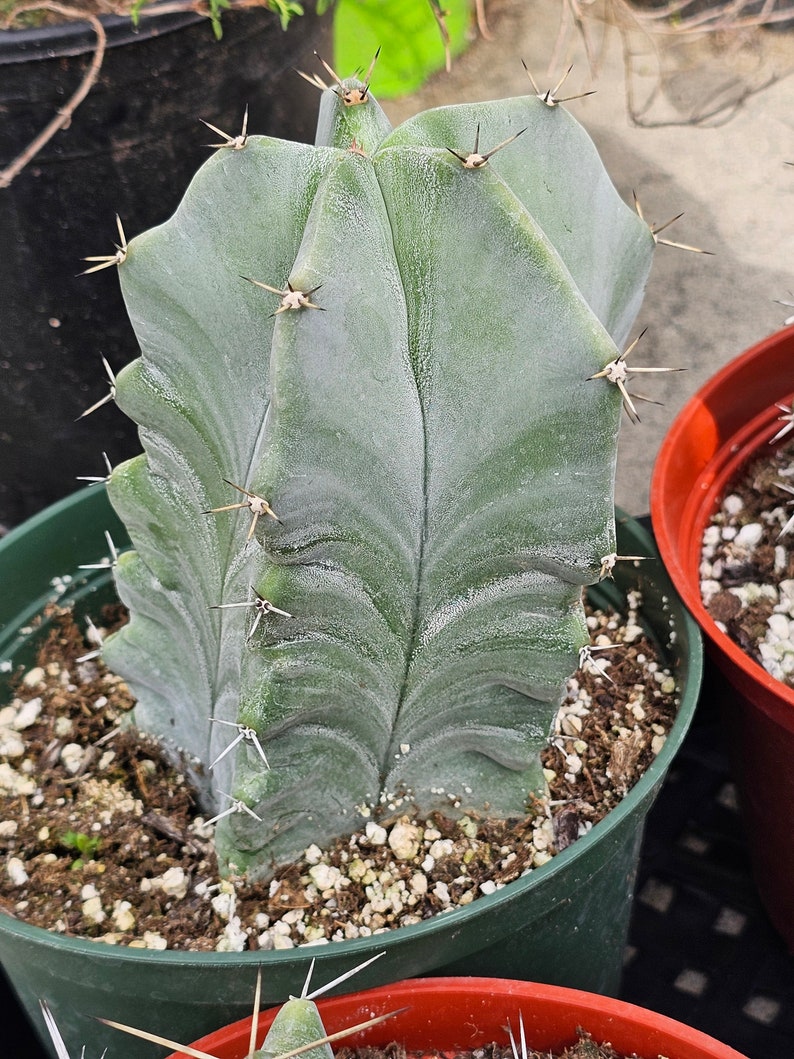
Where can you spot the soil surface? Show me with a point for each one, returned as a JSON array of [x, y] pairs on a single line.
[[100, 835], [584, 1048], [747, 567]]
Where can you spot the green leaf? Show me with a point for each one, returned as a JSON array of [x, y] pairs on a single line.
[[411, 41]]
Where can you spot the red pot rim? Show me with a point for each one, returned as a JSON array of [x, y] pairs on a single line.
[[721, 427], [466, 1012]]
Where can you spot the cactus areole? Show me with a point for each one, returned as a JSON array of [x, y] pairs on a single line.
[[377, 470]]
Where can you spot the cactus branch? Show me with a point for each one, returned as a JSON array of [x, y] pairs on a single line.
[[291, 1013], [348, 1031], [445, 507]]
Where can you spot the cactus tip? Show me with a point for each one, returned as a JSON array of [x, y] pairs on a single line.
[[351, 95]]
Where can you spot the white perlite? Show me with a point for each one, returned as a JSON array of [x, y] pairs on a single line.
[[734, 552], [16, 871], [406, 868]]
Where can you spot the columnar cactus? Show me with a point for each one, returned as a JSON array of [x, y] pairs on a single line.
[[377, 469]]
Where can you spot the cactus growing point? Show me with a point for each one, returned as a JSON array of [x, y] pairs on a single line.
[[414, 383]]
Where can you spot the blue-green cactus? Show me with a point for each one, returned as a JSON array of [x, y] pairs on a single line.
[[366, 401]]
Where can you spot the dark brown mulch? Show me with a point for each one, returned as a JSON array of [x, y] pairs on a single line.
[[584, 1048]]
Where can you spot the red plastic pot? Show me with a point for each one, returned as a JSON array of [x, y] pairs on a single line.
[[448, 1014], [728, 422]]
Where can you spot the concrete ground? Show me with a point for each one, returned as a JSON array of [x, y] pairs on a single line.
[[728, 175]]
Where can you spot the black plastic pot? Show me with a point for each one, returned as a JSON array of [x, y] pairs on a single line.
[[131, 148]]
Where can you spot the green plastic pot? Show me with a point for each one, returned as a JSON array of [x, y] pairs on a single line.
[[565, 923], [448, 1015]]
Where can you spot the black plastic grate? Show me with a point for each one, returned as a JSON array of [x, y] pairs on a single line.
[[701, 947]]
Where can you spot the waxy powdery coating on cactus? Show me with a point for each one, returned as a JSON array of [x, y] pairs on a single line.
[[377, 469]]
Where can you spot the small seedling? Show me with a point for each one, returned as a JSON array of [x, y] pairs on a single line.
[[86, 845]]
